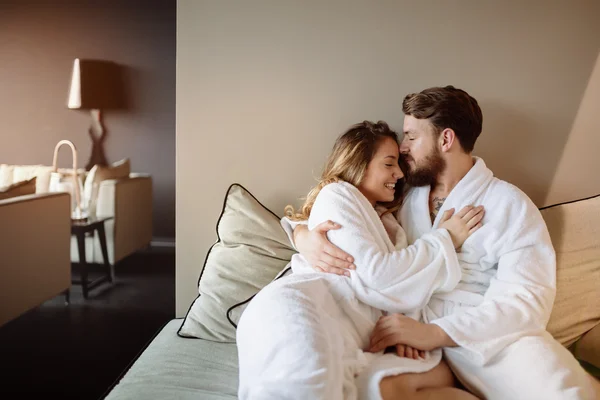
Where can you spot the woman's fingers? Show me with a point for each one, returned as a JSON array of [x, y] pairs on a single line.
[[474, 211], [464, 211], [401, 350], [475, 219], [476, 227], [409, 352], [470, 214]]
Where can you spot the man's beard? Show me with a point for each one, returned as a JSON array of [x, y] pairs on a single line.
[[426, 172]]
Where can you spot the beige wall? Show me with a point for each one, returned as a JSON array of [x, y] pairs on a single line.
[[577, 175], [39, 41], [264, 87]]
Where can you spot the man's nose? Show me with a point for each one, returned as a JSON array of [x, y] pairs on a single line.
[[403, 147]]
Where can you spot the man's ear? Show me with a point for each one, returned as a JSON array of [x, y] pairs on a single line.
[[447, 139]]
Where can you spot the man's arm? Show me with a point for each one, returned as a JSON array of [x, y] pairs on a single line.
[[398, 329], [319, 251], [518, 301]]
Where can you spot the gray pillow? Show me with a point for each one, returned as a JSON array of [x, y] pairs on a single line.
[[251, 251]]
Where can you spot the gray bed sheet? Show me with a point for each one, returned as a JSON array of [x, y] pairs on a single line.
[[172, 367]]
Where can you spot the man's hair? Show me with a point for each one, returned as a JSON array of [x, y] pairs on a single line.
[[447, 107], [348, 161]]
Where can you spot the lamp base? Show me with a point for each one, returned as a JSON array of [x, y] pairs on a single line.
[[97, 134]]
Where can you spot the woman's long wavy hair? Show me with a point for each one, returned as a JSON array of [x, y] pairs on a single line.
[[348, 162]]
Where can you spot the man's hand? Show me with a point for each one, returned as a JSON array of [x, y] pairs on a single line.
[[318, 250], [398, 329]]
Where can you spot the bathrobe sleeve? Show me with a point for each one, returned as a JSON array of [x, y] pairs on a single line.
[[521, 295], [288, 226], [385, 278]]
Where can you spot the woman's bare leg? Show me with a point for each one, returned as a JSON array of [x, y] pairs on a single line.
[[438, 383]]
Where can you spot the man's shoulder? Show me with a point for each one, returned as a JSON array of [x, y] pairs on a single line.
[[507, 193], [509, 190]]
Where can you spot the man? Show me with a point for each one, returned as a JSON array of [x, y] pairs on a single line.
[[492, 327]]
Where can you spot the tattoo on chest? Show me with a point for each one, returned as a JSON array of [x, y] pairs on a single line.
[[435, 206]]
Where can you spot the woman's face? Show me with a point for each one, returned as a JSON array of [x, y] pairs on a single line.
[[382, 173]]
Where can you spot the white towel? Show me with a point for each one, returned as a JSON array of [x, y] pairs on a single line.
[[303, 335]]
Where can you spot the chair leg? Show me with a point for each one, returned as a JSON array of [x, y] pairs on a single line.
[[110, 271], [83, 263]]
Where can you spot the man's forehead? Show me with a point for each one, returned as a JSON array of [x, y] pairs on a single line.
[[415, 125]]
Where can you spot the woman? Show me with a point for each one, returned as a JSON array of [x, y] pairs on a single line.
[[305, 335]]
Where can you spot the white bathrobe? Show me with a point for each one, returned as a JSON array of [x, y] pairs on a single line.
[[302, 336], [498, 312]]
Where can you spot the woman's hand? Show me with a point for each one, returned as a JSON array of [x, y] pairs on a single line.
[[462, 224], [318, 250], [398, 329], [409, 352]]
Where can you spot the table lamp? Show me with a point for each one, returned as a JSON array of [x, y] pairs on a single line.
[[96, 85]]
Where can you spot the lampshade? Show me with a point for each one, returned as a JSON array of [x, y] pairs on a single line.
[[96, 84]]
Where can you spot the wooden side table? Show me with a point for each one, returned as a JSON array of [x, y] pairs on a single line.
[[81, 229]]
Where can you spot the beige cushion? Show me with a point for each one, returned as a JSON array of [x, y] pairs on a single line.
[[252, 250], [118, 170], [575, 232], [6, 175], [26, 172], [18, 189]]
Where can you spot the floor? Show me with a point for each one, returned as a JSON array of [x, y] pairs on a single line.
[[78, 351]]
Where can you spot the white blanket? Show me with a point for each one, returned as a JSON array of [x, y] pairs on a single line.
[[303, 335]]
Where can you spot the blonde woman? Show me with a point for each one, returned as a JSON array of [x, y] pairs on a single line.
[[306, 335]]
